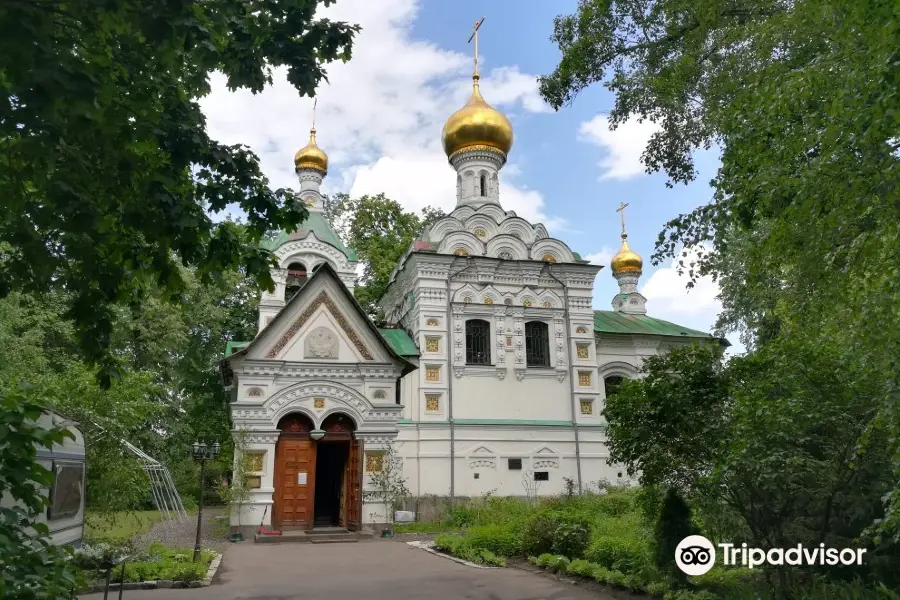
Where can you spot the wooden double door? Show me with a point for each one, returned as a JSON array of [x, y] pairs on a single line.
[[296, 465]]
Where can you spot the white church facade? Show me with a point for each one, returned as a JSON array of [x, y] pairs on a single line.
[[491, 376]]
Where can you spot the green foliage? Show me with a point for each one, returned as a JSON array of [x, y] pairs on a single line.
[[462, 547], [571, 538], [537, 537], [581, 567], [802, 232], [777, 458], [381, 232], [237, 493], [621, 554], [107, 192], [160, 562], [388, 485], [501, 539], [30, 567], [673, 525]]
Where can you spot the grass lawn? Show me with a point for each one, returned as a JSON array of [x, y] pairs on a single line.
[[120, 525]]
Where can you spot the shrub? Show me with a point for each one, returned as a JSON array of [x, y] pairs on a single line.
[[657, 588], [620, 554], [581, 567], [571, 539], [461, 547], [537, 536], [674, 524], [504, 540]]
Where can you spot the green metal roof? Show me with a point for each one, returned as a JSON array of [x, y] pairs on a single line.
[[610, 321], [232, 347], [314, 223], [399, 341]]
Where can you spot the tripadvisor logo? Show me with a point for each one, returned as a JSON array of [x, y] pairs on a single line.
[[696, 555]]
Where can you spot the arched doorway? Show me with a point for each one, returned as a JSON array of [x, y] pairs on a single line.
[[317, 473]]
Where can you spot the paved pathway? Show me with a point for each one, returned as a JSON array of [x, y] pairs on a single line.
[[370, 570]]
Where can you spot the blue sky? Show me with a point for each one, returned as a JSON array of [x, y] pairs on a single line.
[[380, 119]]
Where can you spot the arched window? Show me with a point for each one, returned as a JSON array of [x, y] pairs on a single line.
[[478, 342], [483, 182], [537, 344], [612, 384], [296, 279]]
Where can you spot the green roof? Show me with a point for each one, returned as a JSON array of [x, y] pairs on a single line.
[[610, 321], [314, 223], [232, 347], [399, 341]]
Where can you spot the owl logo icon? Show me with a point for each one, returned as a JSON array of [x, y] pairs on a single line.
[[695, 555]]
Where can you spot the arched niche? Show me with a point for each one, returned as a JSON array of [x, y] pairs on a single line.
[[295, 425], [338, 426]]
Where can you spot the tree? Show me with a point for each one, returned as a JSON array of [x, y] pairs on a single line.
[[30, 566], [237, 493], [388, 483], [673, 525], [771, 438], [106, 193], [803, 229], [381, 232]]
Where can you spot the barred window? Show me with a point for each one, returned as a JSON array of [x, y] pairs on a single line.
[[478, 342], [537, 344]]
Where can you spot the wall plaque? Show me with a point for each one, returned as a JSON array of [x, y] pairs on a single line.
[[301, 478]]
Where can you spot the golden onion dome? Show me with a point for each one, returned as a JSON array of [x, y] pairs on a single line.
[[626, 260], [311, 156], [477, 124]]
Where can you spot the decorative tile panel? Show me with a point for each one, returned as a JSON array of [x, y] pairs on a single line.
[[321, 299], [584, 378], [580, 329], [432, 323], [318, 403], [255, 461], [432, 344], [583, 351], [432, 402], [587, 406], [374, 462], [379, 395], [432, 373]]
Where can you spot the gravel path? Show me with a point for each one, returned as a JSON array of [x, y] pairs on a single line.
[[182, 533]]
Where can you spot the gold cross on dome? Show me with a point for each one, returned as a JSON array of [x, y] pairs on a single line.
[[621, 211], [315, 101], [474, 36]]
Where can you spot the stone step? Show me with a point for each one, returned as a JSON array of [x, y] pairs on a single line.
[[305, 537]]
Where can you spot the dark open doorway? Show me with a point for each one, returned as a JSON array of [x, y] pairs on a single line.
[[331, 459]]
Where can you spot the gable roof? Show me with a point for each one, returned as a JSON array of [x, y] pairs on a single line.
[[611, 321], [314, 223], [325, 271]]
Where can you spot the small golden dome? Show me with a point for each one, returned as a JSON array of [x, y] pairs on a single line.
[[477, 124], [311, 156], [626, 260]]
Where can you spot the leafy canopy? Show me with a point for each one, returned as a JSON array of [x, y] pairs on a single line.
[[802, 97], [107, 173], [381, 232]]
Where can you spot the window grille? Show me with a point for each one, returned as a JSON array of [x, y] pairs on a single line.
[[478, 344], [537, 344]]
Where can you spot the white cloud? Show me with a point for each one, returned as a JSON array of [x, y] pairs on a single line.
[[667, 290], [622, 147], [602, 257], [380, 116]]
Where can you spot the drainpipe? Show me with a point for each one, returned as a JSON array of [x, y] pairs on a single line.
[[571, 379], [450, 377]]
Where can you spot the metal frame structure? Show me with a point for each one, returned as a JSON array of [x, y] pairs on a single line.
[[162, 488]]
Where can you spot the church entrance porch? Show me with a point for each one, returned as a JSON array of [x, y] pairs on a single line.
[[318, 475]]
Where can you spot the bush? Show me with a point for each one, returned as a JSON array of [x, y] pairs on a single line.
[[461, 547], [504, 540], [673, 525], [571, 539], [618, 553], [537, 536], [581, 567]]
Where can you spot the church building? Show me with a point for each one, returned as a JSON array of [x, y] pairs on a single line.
[[490, 378]]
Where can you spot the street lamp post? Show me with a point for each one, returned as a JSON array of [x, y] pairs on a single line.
[[202, 453]]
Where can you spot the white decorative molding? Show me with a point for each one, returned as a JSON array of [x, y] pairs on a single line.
[[251, 436], [321, 342]]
